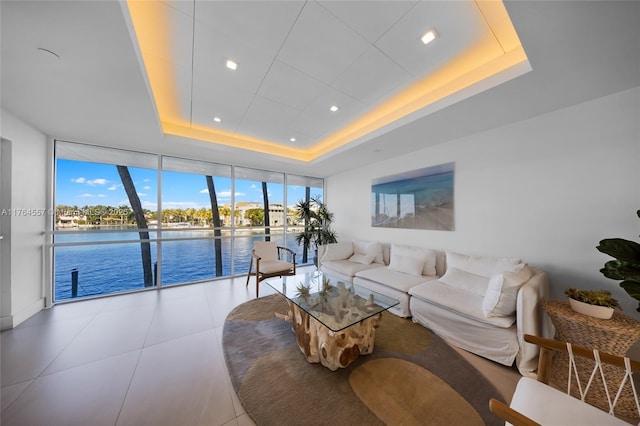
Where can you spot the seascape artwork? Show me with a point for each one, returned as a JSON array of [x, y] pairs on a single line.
[[419, 199]]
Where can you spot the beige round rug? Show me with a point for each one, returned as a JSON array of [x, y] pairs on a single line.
[[412, 378]]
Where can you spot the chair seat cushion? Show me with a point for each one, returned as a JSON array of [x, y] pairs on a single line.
[[272, 266], [549, 406]]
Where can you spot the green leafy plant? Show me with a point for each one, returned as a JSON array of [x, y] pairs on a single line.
[[317, 219], [593, 297], [626, 266]]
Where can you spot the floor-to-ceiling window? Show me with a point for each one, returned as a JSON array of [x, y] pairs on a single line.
[[196, 220], [300, 189], [105, 202], [260, 203], [127, 221]]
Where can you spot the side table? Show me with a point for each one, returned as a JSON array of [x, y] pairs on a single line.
[[615, 336]]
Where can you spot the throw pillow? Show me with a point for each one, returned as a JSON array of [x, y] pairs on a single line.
[[337, 251], [365, 259], [480, 265], [466, 281], [502, 292], [427, 256], [369, 247], [407, 265]]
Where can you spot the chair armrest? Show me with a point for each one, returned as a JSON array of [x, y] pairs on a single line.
[[510, 415], [254, 255], [288, 251]]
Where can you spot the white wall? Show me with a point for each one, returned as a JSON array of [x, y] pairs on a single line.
[[29, 177], [547, 189]]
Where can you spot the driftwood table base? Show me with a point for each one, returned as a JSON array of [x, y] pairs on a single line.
[[332, 349]]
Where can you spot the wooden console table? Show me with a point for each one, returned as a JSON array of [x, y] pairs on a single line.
[[615, 336]]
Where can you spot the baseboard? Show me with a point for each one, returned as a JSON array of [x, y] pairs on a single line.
[[6, 323], [18, 318]]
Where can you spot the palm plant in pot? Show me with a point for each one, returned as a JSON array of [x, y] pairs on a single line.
[[317, 225], [626, 266]]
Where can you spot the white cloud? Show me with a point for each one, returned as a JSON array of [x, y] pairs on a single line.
[[112, 188], [253, 186], [102, 196], [90, 182], [142, 194], [205, 191], [86, 195], [227, 194], [146, 187]]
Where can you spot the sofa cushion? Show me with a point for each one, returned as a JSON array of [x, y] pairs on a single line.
[[393, 279], [502, 291], [426, 256], [348, 268], [406, 264], [463, 280], [337, 251], [480, 265], [460, 301], [365, 259], [369, 247]]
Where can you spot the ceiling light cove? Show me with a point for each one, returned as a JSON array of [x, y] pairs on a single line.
[[429, 36], [492, 56]]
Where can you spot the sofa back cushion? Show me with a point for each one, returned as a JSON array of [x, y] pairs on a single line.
[[369, 248], [502, 291], [480, 265], [407, 258], [467, 281], [337, 251], [365, 259]]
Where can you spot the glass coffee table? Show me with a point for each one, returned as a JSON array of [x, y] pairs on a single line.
[[334, 321]]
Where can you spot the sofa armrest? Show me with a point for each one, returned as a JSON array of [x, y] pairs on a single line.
[[530, 319], [321, 250]]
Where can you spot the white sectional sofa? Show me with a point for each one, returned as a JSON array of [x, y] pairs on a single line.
[[481, 304]]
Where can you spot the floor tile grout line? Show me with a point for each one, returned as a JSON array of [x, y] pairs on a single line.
[[42, 373], [135, 368]]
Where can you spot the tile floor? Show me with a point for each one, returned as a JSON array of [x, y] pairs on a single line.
[[150, 358]]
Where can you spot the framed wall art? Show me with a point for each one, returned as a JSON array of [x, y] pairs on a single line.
[[418, 199]]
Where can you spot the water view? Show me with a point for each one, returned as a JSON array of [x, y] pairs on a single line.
[[117, 267]]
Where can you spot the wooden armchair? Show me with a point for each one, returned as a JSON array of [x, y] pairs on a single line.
[[271, 260], [538, 403]]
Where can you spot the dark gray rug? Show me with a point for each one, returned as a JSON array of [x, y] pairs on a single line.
[[412, 378]]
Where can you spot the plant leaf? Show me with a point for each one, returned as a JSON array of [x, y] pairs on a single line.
[[633, 289], [621, 249]]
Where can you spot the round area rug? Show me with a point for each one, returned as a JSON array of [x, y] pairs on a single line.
[[412, 377]]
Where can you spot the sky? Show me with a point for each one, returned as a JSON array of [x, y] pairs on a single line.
[[87, 184]]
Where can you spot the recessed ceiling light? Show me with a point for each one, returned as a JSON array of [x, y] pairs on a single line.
[[429, 36], [217, 119], [333, 108], [231, 64], [292, 140]]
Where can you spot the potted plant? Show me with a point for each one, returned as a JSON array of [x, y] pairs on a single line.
[[626, 266], [317, 225], [595, 303]]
